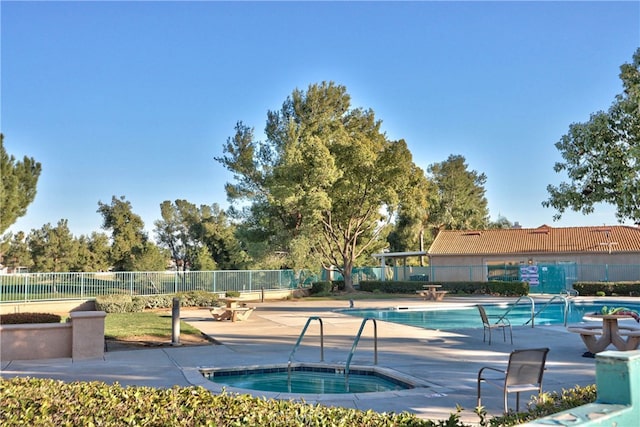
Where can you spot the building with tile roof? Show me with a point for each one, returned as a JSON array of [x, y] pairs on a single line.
[[600, 253]]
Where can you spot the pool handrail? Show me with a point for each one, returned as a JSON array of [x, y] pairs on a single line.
[[533, 309], [565, 311], [570, 292], [295, 347], [355, 344]]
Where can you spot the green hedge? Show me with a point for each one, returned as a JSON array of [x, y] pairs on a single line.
[[127, 304], [631, 289], [321, 288], [409, 287], [47, 402], [39, 402]]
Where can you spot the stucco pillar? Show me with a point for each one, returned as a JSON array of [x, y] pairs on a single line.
[[87, 339]]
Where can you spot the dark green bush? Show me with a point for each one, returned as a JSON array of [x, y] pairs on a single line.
[[232, 294], [21, 318], [631, 289], [410, 287], [389, 287], [337, 285], [321, 288]]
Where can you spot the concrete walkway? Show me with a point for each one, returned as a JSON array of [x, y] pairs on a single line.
[[447, 360]]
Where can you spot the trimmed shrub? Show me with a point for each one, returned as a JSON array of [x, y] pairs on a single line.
[[155, 301], [114, 303], [127, 304], [36, 401], [31, 401], [198, 299], [21, 318], [548, 404], [321, 288], [410, 287], [232, 294], [608, 288]]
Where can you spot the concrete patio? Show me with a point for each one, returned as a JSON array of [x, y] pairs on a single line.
[[448, 360]]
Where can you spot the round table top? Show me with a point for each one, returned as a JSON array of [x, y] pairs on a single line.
[[609, 316]]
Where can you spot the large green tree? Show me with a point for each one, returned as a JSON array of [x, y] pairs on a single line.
[[17, 253], [451, 198], [412, 220], [93, 253], [53, 249], [459, 202], [131, 249], [326, 182], [602, 156], [198, 237], [17, 187]]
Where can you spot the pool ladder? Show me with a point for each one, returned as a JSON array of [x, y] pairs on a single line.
[[533, 308], [565, 311], [295, 347], [351, 353], [355, 344]]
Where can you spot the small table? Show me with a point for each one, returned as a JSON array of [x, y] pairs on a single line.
[[610, 334], [231, 302], [430, 292]]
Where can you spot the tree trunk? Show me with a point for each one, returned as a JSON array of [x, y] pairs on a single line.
[[348, 278]]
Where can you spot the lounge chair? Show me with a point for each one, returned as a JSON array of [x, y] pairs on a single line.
[[524, 373], [502, 323]]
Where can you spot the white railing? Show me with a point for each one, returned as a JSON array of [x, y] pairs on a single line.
[[56, 286]]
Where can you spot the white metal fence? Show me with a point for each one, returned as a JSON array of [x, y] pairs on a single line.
[[552, 278], [55, 286]]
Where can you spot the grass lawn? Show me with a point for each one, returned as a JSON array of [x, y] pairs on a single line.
[[126, 325]]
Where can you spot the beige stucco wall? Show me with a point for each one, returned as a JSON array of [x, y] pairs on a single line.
[[81, 338], [35, 341], [591, 267]]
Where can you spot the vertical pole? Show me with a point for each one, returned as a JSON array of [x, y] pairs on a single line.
[[175, 327]]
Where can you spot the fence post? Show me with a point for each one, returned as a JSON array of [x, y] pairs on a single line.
[[26, 287]]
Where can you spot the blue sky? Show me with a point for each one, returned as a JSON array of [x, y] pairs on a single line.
[[136, 99]]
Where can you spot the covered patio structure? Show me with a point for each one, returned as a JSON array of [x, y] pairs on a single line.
[[406, 272]]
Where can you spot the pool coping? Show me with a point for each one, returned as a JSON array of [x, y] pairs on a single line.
[[417, 385]]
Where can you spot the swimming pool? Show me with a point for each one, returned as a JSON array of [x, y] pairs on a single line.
[[459, 317], [308, 379]]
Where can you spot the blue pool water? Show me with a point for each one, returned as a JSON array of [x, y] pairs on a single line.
[[467, 317], [306, 380]]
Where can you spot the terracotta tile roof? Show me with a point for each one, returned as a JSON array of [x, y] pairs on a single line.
[[535, 240]]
